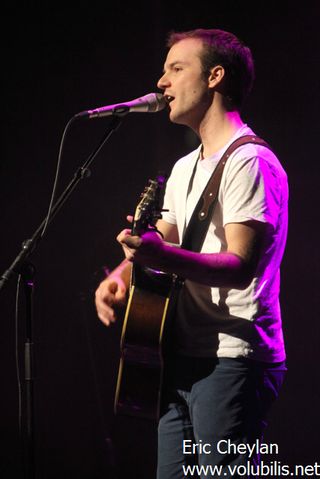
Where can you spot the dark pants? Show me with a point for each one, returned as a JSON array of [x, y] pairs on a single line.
[[213, 409]]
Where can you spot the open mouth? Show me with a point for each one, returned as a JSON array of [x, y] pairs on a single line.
[[169, 99]]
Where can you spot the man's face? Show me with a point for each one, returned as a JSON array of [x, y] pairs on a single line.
[[184, 85]]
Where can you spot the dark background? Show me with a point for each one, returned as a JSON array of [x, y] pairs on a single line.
[[57, 61]]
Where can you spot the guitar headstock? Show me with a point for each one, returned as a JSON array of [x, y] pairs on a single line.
[[149, 207]]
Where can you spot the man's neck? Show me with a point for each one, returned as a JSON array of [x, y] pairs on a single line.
[[217, 129]]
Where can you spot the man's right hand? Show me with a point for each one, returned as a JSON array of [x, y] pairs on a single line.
[[111, 292]]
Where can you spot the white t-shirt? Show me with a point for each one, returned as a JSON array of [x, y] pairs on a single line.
[[227, 322]]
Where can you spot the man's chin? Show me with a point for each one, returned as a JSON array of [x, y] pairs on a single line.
[[178, 119]]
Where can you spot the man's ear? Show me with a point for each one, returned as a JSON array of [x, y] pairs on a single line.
[[216, 76]]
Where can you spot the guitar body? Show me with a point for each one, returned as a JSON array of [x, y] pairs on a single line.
[[141, 362], [141, 347]]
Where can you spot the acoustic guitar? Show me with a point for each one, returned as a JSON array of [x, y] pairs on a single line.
[[141, 360]]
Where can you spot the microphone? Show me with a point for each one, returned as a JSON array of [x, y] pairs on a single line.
[[150, 103]]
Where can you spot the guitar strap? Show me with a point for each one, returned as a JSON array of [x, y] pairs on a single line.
[[198, 225]]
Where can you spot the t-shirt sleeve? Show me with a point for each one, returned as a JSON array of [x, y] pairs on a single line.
[[251, 191]]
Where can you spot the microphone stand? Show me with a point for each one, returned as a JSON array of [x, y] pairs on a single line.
[[24, 268], [27, 276]]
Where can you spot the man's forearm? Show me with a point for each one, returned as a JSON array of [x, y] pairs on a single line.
[[213, 269]]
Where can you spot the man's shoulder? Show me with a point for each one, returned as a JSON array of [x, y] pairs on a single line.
[[259, 155], [255, 153]]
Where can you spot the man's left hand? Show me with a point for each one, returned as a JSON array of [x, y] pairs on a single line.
[[145, 250]]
